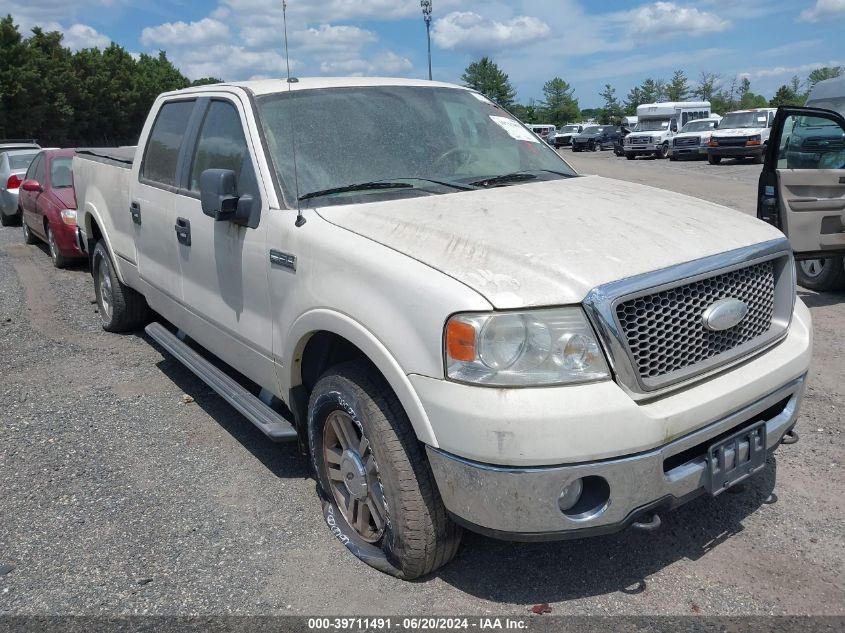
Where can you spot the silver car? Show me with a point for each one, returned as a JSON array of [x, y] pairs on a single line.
[[14, 161]]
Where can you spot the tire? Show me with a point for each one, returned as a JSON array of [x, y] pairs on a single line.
[[59, 260], [630, 156], [673, 159], [759, 159], [121, 308], [596, 147], [9, 220], [714, 160], [419, 536], [28, 236], [663, 152], [821, 275]]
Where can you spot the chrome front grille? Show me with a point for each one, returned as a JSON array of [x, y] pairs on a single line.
[[665, 331], [640, 140], [651, 326], [687, 141]]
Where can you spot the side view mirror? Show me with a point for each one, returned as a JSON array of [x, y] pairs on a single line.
[[219, 197], [32, 185]]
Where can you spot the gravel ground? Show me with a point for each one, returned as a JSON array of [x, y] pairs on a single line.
[[118, 498]]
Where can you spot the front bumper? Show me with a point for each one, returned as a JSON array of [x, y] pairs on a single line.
[[688, 152], [642, 149], [740, 151], [522, 503]]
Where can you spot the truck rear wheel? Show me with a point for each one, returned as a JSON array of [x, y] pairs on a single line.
[[121, 308], [379, 495], [714, 160], [821, 275]]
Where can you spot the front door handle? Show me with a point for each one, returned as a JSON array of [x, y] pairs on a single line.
[[183, 231], [135, 212]]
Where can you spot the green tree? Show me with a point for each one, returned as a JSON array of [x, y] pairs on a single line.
[[634, 98], [611, 112], [649, 91], [826, 72], [748, 99], [678, 89], [486, 77], [787, 95], [560, 105], [707, 87]]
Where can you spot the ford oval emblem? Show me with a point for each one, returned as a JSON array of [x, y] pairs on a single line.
[[724, 314]]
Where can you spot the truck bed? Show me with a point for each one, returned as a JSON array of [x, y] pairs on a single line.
[[117, 156], [102, 178]]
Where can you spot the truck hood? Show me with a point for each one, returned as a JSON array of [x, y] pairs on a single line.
[[704, 133], [550, 243], [738, 131]]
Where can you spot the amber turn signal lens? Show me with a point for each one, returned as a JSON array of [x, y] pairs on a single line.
[[460, 341]]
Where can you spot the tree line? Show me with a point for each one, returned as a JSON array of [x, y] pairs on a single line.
[[560, 105], [87, 97]]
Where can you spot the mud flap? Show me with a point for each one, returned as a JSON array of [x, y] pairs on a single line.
[[371, 554]]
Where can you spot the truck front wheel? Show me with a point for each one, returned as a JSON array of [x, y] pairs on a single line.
[[121, 308], [821, 275], [714, 160], [379, 495]]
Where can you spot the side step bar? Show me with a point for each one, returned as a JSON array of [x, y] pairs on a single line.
[[271, 423]]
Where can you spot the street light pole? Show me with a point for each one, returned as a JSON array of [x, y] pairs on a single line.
[[426, 9]]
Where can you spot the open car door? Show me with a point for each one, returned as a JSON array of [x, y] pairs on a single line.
[[802, 191]]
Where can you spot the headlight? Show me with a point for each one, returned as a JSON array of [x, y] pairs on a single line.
[[537, 347], [754, 140], [69, 216]]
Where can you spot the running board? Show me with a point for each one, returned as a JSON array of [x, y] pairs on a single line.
[[253, 409]]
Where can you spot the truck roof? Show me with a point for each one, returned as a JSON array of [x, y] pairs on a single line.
[[269, 86], [669, 107]]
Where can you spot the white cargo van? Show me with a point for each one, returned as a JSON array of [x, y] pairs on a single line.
[[742, 134], [657, 124]]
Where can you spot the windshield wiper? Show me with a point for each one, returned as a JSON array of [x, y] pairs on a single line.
[[361, 186], [445, 183], [518, 176]]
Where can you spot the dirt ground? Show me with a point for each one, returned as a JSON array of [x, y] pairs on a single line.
[[120, 498]]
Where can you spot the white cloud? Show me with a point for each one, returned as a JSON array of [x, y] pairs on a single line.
[[385, 63], [823, 10], [789, 71], [663, 19], [466, 30], [332, 39], [80, 36], [336, 10], [230, 62], [205, 31]]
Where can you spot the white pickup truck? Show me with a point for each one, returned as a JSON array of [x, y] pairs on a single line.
[[458, 329]]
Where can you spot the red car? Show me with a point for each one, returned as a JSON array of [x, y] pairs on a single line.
[[48, 204]]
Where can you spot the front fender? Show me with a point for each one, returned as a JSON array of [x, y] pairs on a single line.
[[325, 320]]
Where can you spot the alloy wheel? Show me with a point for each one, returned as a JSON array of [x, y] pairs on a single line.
[[352, 470]]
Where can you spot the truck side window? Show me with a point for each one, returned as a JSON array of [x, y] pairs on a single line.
[[222, 145], [165, 142]]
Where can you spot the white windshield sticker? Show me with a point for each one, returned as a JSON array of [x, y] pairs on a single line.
[[761, 119], [514, 129]]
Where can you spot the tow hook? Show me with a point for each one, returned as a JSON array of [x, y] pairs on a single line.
[[790, 437], [648, 526]]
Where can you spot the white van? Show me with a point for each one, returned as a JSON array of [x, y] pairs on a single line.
[[657, 124], [544, 131], [742, 134]]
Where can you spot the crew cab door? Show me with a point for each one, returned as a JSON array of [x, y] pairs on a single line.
[[224, 264], [154, 188], [802, 186]]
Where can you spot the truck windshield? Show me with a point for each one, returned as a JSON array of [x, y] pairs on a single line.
[[699, 126], [569, 128], [429, 137], [652, 125], [736, 120]]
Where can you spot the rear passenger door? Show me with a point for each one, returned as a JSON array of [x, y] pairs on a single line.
[[802, 186], [29, 199], [152, 207], [224, 265]]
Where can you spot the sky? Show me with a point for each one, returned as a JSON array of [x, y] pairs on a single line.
[[587, 43]]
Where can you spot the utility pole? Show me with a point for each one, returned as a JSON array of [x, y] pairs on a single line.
[[426, 9]]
